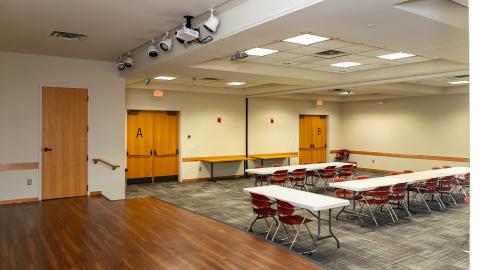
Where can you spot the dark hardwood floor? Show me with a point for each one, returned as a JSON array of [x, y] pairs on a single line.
[[93, 233]]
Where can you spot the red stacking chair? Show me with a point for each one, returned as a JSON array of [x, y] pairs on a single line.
[[344, 194], [395, 173], [408, 171], [286, 215], [425, 189], [276, 165], [445, 186], [436, 168], [362, 177], [445, 167], [279, 177], [327, 174], [464, 184], [397, 196], [262, 209], [261, 178], [345, 171], [298, 178], [354, 168], [379, 197]]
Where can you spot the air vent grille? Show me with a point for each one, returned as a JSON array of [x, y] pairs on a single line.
[[331, 53], [68, 36], [462, 76], [211, 79]]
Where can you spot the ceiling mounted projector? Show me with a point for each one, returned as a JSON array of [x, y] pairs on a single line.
[[212, 23], [166, 43], [187, 33]]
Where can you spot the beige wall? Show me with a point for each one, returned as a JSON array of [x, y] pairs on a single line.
[[198, 113], [428, 125], [21, 79]]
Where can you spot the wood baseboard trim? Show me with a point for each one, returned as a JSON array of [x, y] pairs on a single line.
[[18, 166], [19, 201], [205, 179], [412, 156], [95, 193], [374, 170]]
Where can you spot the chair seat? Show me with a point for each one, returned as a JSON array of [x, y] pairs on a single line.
[[294, 220], [265, 212], [377, 201], [397, 197]]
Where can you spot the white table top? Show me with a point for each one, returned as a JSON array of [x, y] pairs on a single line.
[[301, 199], [291, 168], [372, 183]]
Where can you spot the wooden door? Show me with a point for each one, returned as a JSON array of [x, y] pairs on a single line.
[[305, 139], [165, 161], [319, 139], [64, 142], [312, 142], [140, 145]]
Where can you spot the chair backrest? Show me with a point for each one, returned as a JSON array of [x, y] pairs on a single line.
[[362, 177], [338, 191], [399, 189], [277, 165], [467, 177], [285, 208], [328, 171], [446, 167], [445, 183], [346, 170], [436, 168], [280, 175], [395, 173], [408, 171], [430, 184], [299, 173], [260, 201], [380, 193]]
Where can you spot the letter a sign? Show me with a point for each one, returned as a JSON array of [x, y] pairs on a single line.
[[139, 133]]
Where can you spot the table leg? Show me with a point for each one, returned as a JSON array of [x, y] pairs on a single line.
[[261, 162], [330, 227], [288, 161], [318, 229], [330, 235], [211, 172]]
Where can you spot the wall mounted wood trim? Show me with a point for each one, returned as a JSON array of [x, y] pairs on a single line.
[[18, 166], [205, 179], [17, 201], [412, 156], [191, 159], [95, 193]]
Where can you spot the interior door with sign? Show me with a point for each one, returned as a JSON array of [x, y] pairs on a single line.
[[319, 139], [305, 139], [64, 142], [165, 142], [140, 145]]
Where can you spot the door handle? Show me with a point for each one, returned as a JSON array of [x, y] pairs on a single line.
[[151, 152], [46, 149], [155, 152]]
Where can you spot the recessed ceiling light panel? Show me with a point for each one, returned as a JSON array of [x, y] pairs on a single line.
[[345, 93], [395, 56], [345, 64], [459, 82], [165, 78], [260, 51], [68, 36], [306, 39], [235, 83]]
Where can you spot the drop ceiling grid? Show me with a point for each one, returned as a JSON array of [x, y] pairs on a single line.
[[304, 56], [194, 81]]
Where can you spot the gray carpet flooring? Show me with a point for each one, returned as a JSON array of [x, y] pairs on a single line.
[[430, 241]]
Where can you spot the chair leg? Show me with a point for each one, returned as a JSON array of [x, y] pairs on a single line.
[[425, 202], [453, 199], [251, 223], [371, 213], [405, 208], [296, 236], [393, 212], [270, 228], [439, 200]]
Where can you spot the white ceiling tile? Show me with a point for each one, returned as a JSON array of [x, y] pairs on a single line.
[[285, 55], [306, 50], [282, 46], [375, 53], [358, 49], [332, 44]]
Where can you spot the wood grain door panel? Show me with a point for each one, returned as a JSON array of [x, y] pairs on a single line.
[[140, 134], [312, 139], [64, 130], [165, 161]]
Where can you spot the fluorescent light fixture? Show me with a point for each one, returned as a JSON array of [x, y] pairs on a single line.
[[345, 93], [459, 82], [165, 78], [345, 64], [395, 56], [235, 83], [306, 39], [260, 51]]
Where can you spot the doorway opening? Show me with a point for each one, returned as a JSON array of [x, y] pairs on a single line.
[[152, 146], [312, 139]]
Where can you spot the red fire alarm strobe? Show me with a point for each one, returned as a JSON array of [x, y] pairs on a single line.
[[219, 119], [158, 93], [272, 120]]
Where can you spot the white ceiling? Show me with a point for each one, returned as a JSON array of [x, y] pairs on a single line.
[[113, 26]]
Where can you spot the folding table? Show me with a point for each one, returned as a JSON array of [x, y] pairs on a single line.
[[262, 157], [291, 168], [312, 202]]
